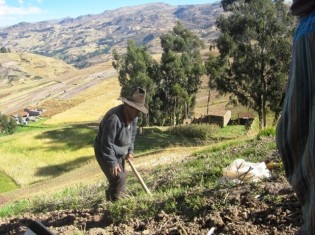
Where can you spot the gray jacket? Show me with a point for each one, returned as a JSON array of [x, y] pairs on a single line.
[[115, 138]]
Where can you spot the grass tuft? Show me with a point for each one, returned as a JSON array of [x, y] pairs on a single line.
[[195, 131], [270, 131]]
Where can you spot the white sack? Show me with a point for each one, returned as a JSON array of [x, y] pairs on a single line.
[[240, 170]]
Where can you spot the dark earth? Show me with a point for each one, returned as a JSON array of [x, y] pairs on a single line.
[[269, 207]]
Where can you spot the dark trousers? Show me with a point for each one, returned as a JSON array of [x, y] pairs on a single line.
[[116, 183]]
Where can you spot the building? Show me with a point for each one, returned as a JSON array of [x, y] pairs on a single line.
[[245, 118], [218, 117]]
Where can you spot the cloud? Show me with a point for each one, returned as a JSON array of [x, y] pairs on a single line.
[[6, 10]]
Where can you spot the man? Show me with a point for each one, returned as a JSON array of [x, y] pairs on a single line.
[[115, 139], [296, 128]]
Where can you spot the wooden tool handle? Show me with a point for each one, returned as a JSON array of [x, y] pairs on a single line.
[[139, 177]]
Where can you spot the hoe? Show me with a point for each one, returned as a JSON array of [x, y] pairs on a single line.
[[139, 177]]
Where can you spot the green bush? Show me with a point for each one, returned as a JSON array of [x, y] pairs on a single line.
[[37, 78], [198, 131], [7, 125], [271, 131]]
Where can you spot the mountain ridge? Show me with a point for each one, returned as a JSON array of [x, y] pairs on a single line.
[[89, 39]]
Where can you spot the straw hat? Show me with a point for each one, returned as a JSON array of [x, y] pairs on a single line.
[[137, 100]]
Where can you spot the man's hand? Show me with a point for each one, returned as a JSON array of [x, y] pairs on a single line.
[[114, 170], [129, 157]]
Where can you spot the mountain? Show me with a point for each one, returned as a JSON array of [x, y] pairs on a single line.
[[89, 39]]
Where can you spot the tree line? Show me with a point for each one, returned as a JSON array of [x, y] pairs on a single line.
[[250, 63]]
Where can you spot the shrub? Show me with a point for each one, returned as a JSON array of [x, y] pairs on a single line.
[[198, 131], [37, 78], [271, 131], [7, 125]]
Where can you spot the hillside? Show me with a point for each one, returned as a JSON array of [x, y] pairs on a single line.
[[64, 66], [29, 80], [19, 67], [56, 158], [89, 39]]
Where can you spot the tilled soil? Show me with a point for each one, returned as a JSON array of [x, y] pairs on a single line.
[[265, 208]]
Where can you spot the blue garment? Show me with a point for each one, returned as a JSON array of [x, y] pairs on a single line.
[[296, 127]]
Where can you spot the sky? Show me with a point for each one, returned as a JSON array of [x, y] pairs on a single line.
[[16, 11]]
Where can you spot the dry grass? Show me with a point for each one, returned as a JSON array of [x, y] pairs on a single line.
[[27, 76], [91, 104], [55, 106], [37, 65], [55, 80]]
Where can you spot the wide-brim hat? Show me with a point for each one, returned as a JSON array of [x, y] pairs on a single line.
[[137, 100]]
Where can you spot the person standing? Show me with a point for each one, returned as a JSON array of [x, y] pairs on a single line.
[[296, 127], [114, 142]]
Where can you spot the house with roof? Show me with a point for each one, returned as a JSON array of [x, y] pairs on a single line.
[[33, 111], [28, 114], [245, 118], [218, 117]]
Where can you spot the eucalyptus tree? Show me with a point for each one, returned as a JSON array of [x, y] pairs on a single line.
[[255, 48], [181, 68], [214, 69], [136, 68]]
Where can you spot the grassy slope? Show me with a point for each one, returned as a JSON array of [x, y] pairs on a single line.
[[149, 154], [40, 153], [94, 103], [45, 151]]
